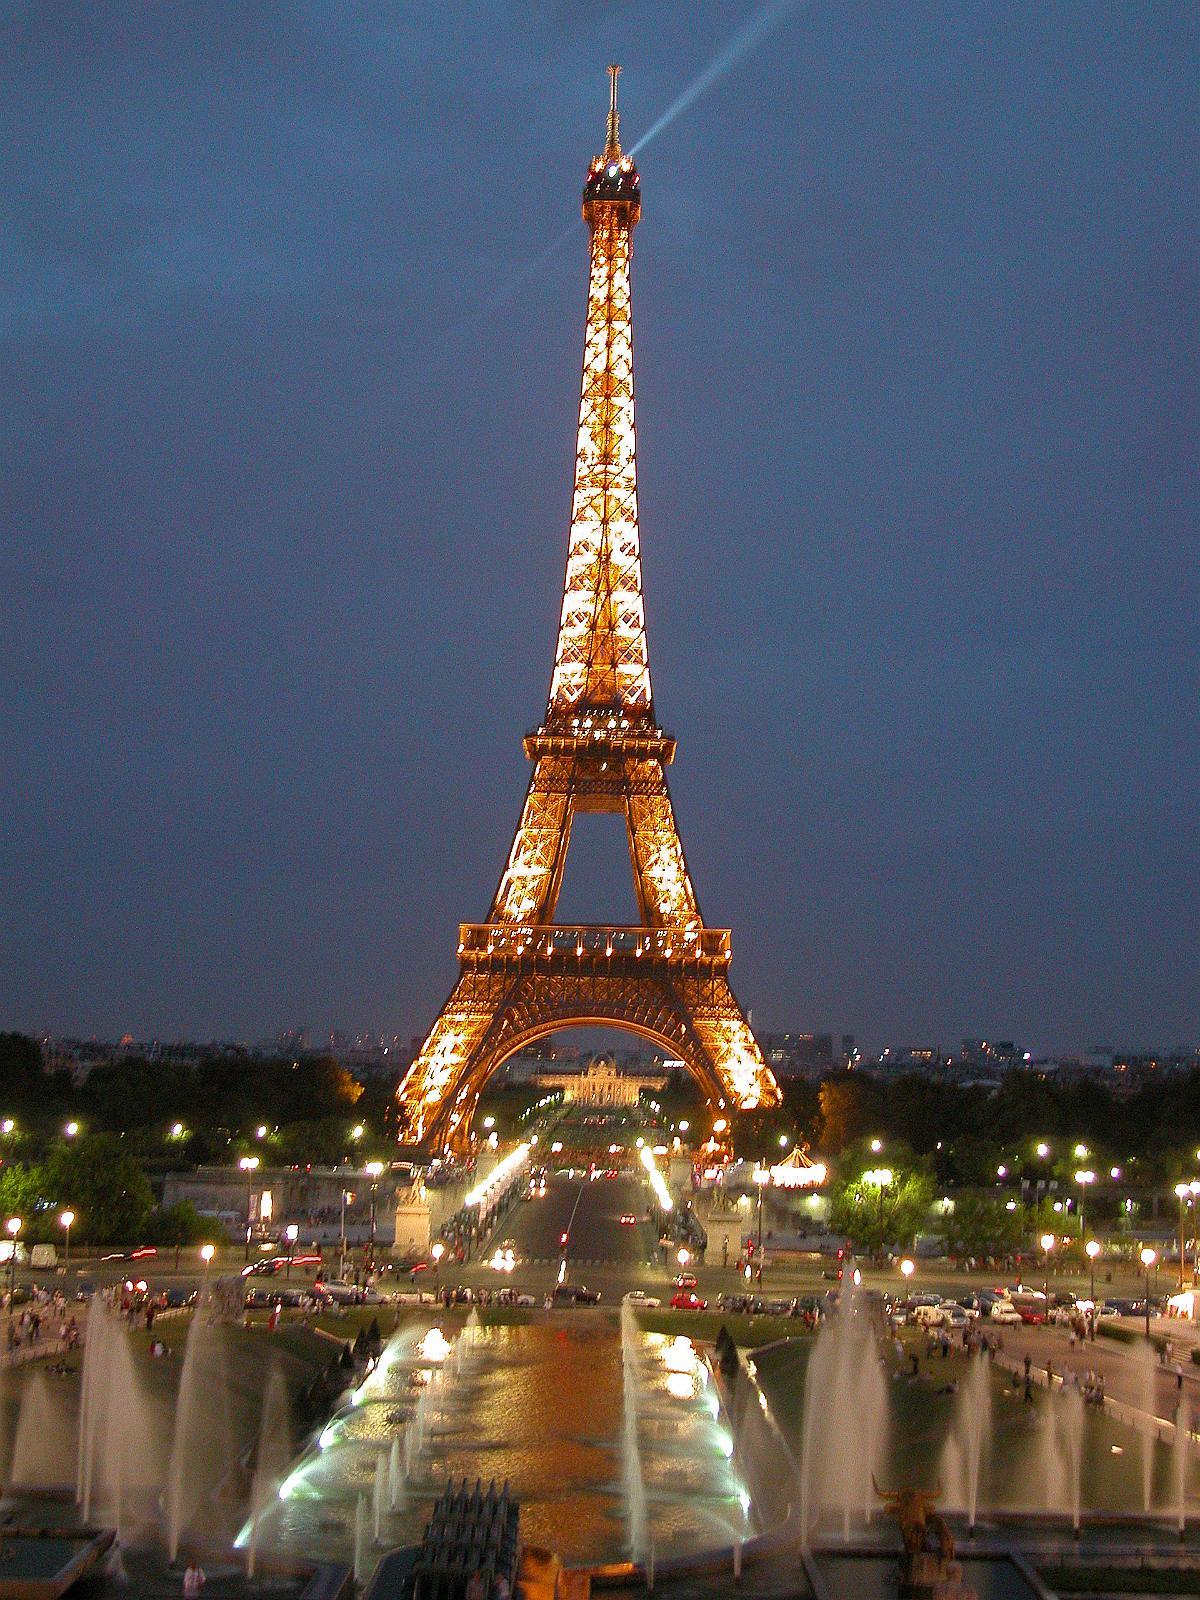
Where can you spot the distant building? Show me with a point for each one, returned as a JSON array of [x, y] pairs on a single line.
[[601, 1083], [798, 1055]]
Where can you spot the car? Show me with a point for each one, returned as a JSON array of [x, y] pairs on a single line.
[[628, 1220], [927, 1316], [638, 1298], [686, 1300], [686, 1280], [953, 1316], [345, 1294], [140, 1254], [1003, 1311], [575, 1294]]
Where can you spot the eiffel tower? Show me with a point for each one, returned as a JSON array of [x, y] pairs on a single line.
[[521, 974]]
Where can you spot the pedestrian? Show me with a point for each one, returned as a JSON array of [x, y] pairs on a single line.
[[916, 1365], [500, 1587], [193, 1581], [1028, 1365], [1028, 1390], [475, 1588]]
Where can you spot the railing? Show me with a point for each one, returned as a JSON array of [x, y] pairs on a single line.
[[524, 939]]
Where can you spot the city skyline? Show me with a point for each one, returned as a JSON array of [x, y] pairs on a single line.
[[915, 435]]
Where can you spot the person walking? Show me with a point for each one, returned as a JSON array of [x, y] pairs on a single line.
[[194, 1579]]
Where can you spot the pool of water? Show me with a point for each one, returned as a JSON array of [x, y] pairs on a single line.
[[540, 1405], [850, 1577]]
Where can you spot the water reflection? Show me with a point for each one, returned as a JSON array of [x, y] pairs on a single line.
[[539, 1405]]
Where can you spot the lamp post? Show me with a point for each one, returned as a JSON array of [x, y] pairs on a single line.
[[1047, 1244], [438, 1251], [375, 1168], [1092, 1248], [1147, 1257], [249, 1165], [907, 1268], [207, 1252], [347, 1196], [762, 1177], [879, 1178], [65, 1221], [1182, 1194], [14, 1227], [292, 1233], [1083, 1179]]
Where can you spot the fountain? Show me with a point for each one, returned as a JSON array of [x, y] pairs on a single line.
[[1146, 1425], [632, 1480], [379, 1495], [43, 1439], [845, 1420], [202, 1449], [271, 1461], [1180, 1453], [118, 1465], [965, 1454]]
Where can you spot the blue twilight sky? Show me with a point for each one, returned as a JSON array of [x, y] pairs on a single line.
[[291, 302]]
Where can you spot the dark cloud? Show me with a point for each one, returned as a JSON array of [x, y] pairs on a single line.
[[291, 337]]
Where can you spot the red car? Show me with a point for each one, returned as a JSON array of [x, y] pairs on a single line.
[[686, 1300], [628, 1220], [686, 1280]]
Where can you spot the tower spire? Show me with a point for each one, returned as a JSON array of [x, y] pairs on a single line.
[[613, 146]]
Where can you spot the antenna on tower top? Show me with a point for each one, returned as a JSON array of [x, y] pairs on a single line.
[[614, 121]]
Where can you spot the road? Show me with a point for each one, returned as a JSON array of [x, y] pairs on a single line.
[[588, 1213]]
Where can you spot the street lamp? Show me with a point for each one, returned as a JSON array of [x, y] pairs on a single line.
[[879, 1178], [375, 1168], [907, 1268], [65, 1221], [207, 1252], [71, 1129], [1047, 1244], [1092, 1248], [249, 1165], [1083, 1179], [683, 1256], [438, 1251], [292, 1232], [1182, 1194], [14, 1227], [1147, 1257], [876, 1146]]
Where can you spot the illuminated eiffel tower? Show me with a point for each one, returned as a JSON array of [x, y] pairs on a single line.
[[521, 974]]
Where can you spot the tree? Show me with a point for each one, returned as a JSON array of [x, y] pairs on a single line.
[[982, 1225], [177, 1225], [874, 1215], [103, 1184], [851, 1105]]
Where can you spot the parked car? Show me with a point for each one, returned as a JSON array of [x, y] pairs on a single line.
[[1005, 1312], [640, 1300], [953, 1316], [687, 1300], [686, 1280], [927, 1316], [345, 1294], [575, 1294]]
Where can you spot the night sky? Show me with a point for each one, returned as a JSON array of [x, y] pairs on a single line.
[[291, 311]]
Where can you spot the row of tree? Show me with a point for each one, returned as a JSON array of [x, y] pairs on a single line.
[[104, 1187]]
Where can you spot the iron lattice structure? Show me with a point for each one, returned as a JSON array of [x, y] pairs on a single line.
[[599, 748]]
